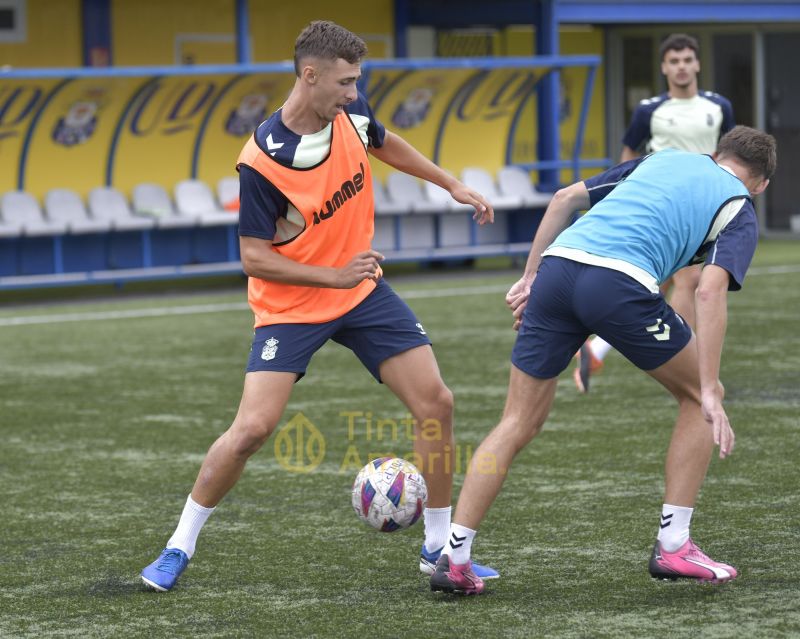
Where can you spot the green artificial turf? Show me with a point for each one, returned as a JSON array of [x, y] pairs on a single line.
[[105, 419]]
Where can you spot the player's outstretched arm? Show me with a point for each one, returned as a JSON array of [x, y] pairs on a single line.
[[259, 260], [401, 155], [711, 318], [564, 203]]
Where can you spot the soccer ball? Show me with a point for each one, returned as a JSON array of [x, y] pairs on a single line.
[[389, 494]]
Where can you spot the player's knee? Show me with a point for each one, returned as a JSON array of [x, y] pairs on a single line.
[[527, 431], [437, 403], [519, 431], [445, 400], [250, 432]]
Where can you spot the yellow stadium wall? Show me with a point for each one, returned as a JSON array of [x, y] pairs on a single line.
[[273, 29], [54, 37], [576, 40], [469, 115], [164, 130], [145, 32]]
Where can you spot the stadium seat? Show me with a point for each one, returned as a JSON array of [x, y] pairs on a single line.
[[514, 180], [195, 200], [106, 203], [384, 238], [482, 181], [418, 232], [228, 193], [440, 196], [405, 189], [152, 200], [384, 205], [454, 230], [21, 214], [65, 205]]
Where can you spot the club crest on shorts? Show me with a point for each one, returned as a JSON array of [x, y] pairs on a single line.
[[270, 349]]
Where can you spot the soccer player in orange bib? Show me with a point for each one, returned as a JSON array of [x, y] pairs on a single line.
[[306, 227]]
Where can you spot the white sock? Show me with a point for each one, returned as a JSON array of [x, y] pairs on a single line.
[[600, 348], [674, 529], [459, 544], [192, 519], [437, 525]]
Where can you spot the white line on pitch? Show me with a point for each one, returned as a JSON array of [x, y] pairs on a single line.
[[199, 309]]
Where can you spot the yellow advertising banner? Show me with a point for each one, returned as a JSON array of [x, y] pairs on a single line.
[[416, 107], [21, 101], [482, 117], [158, 135], [245, 103], [85, 132], [72, 140]]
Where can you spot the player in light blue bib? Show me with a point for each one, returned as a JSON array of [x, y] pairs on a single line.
[[684, 118], [647, 218]]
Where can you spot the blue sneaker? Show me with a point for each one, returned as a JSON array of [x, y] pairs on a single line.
[[162, 574], [427, 564]]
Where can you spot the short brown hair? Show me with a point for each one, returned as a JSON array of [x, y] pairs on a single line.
[[329, 41], [753, 148], [678, 42]]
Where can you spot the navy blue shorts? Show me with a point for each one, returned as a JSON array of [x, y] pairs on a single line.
[[570, 301], [381, 326]]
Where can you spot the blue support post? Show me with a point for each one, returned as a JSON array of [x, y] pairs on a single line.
[[231, 240], [58, 254], [96, 18], [242, 32], [548, 97], [401, 22], [588, 90], [147, 250]]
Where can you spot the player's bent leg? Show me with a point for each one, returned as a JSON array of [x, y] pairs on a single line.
[[264, 398], [687, 461], [413, 375], [692, 441], [589, 363], [527, 406], [256, 419], [685, 284]]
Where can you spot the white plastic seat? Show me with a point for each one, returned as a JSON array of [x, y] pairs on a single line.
[[152, 200], [228, 193], [65, 205], [21, 212], [514, 180], [384, 237], [194, 199], [481, 181], [106, 203], [440, 196], [384, 205], [405, 189]]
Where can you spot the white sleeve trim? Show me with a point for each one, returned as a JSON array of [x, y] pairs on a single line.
[[724, 217]]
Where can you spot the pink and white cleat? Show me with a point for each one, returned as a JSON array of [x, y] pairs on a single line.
[[455, 578], [689, 562]]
